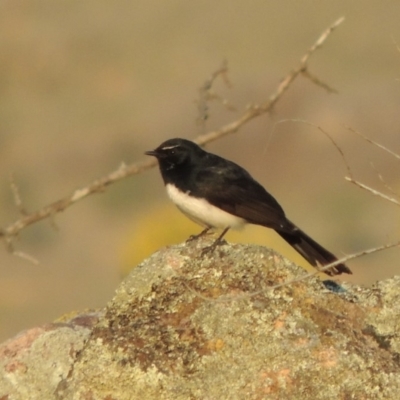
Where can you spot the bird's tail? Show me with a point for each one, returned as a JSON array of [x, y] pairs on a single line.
[[313, 252]]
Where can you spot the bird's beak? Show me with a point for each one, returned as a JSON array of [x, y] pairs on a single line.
[[151, 153]]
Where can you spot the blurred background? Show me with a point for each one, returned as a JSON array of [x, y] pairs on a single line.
[[86, 86]]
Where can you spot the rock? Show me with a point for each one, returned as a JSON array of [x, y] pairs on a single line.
[[33, 363], [182, 326]]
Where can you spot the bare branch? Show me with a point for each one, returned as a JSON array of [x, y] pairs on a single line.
[[380, 146], [329, 136], [373, 191], [255, 111], [351, 179], [124, 171], [206, 93], [95, 187], [321, 40]]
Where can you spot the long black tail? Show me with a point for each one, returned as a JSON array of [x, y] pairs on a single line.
[[313, 252]]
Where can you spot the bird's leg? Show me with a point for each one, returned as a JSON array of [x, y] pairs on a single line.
[[218, 242], [202, 233]]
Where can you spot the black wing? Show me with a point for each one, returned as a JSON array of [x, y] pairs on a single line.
[[228, 186], [231, 188]]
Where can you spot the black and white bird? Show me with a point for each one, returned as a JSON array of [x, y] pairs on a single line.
[[219, 194]]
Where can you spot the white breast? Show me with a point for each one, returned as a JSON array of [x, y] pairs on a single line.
[[203, 212]]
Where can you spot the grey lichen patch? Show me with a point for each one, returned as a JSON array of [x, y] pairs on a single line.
[[183, 326], [158, 327], [155, 330], [383, 322], [34, 362]]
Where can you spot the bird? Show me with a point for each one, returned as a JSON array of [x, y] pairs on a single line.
[[218, 194]]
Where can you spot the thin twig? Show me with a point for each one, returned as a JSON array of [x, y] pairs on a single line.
[[95, 187], [373, 191], [206, 93], [255, 111], [318, 82], [10, 247], [100, 184], [351, 179], [17, 195], [384, 183], [225, 298], [380, 146], [338, 148], [26, 257], [340, 261]]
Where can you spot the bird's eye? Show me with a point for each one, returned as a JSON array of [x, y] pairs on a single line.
[[170, 150]]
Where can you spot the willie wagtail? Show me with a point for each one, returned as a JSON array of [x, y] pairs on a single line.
[[217, 193]]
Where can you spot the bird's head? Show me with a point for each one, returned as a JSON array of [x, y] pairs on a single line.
[[175, 152]]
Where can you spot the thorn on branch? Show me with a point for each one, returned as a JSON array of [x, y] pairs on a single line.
[[318, 82]]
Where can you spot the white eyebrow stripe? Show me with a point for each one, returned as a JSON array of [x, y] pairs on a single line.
[[170, 147]]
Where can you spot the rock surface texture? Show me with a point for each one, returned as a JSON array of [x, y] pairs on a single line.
[[183, 326]]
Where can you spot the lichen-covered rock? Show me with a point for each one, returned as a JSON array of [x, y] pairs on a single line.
[[383, 320], [186, 327], [33, 363], [182, 326]]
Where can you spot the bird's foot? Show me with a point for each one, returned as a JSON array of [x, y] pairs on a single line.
[[210, 249], [195, 237], [218, 242]]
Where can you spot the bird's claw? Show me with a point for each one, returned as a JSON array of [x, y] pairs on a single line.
[[210, 249], [199, 235]]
